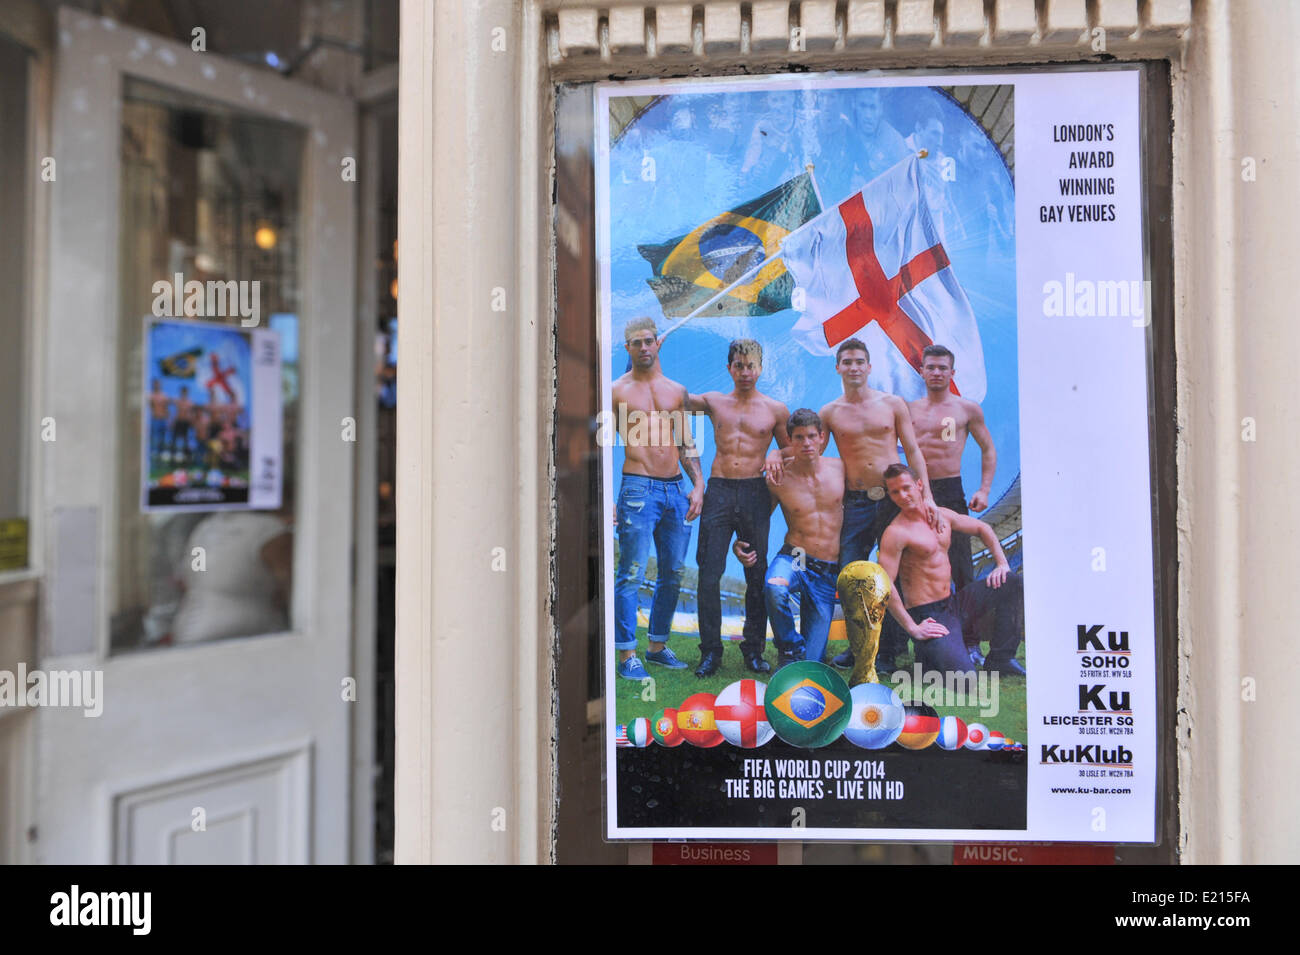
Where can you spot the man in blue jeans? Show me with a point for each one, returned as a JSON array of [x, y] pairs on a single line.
[[652, 508], [811, 495]]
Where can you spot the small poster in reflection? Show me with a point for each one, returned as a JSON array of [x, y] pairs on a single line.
[[212, 417]]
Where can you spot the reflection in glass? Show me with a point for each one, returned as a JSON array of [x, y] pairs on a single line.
[[211, 195]]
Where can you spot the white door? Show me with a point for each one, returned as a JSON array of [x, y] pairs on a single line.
[[224, 732]]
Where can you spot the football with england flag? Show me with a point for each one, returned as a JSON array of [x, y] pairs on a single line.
[[740, 715]]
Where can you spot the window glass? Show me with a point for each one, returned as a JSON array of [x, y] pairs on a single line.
[[14, 192], [210, 196]]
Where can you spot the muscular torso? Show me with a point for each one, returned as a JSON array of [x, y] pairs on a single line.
[[183, 408], [923, 571], [158, 405], [647, 427], [813, 505], [742, 431], [865, 435], [931, 421]]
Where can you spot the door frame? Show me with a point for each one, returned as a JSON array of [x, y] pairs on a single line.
[[376, 94], [31, 26]]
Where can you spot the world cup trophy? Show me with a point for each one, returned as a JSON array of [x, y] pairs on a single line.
[[864, 594]]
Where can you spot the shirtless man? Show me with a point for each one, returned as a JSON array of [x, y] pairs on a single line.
[[651, 506], [943, 421], [181, 425], [159, 407], [811, 495], [745, 422], [868, 426], [915, 555]]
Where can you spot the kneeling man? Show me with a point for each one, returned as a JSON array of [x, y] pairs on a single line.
[[915, 555], [811, 495]]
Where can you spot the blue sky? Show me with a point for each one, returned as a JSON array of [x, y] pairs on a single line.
[[230, 345], [715, 150]]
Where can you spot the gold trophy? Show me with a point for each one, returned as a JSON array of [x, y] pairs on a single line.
[[864, 593]]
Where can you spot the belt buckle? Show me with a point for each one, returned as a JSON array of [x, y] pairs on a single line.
[[876, 492]]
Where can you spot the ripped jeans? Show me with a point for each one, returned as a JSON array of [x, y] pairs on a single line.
[[812, 586], [649, 510]]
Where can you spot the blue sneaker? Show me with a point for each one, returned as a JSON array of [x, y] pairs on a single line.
[[665, 658], [632, 669]]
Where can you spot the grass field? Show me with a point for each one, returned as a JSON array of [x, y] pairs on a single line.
[[671, 687]]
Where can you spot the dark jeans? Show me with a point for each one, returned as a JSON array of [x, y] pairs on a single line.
[[975, 613], [864, 521], [949, 493], [742, 507]]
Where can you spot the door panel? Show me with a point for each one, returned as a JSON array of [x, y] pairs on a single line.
[[248, 814], [225, 726]]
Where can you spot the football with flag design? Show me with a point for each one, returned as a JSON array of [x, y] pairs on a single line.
[[739, 714], [952, 732], [664, 728], [638, 732], [920, 726], [808, 704], [877, 718], [696, 722], [977, 736], [996, 740]]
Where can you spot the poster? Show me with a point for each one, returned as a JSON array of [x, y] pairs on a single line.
[[876, 468], [211, 415]]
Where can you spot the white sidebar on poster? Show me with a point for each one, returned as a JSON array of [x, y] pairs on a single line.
[[1084, 315]]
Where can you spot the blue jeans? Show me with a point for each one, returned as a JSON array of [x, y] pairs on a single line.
[[649, 510], [157, 436], [814, 585]]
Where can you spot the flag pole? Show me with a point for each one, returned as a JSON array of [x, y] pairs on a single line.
[[817, 191], [919, 154]]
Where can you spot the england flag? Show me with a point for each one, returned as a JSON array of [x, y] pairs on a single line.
[[874, 268]]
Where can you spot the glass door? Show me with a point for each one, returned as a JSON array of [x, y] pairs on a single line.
[[200, 365]]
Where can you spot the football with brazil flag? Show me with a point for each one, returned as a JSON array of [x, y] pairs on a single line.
[[808, 704]]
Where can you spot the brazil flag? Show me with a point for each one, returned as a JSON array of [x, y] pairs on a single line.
[[692, 268], [183, 364], [808, 704]]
